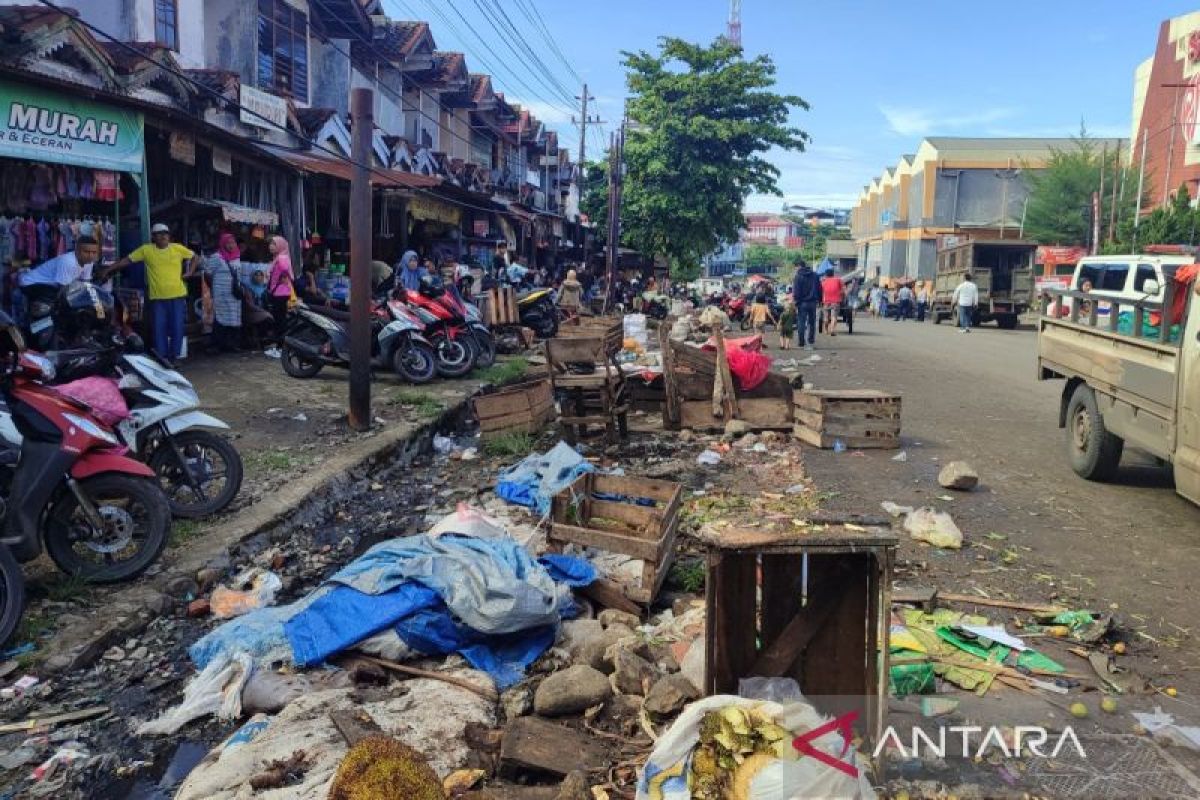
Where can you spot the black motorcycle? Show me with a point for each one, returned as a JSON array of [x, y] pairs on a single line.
[[314, 339]]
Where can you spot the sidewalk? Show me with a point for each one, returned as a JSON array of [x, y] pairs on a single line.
[[295, 445]]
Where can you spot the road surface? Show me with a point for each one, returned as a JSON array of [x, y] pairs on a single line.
[[1034, 530]]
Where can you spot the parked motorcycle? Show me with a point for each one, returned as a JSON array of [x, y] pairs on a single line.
[[734, 307], [452, 339], [313, 340], [446, 309], [538, 311], [68, 484]]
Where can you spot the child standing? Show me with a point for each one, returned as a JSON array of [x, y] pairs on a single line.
[[787, 323]]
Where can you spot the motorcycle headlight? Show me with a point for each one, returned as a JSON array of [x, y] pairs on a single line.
[[92, 429]]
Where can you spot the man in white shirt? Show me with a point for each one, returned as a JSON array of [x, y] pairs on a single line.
[[966, 297], [44, 281]]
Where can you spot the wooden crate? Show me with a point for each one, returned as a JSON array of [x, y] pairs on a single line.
[[524, 408], [500, 307], [646, 532], [611, 329], [860, 418]]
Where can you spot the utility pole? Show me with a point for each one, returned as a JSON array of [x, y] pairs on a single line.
[[616, 157], [1112, 206], [1137, 214], [1100, 196], [583, 122], [363, 123]]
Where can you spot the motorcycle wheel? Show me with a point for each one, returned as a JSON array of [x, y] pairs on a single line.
[[485, 346], [136, 522], [744, 324], [455, 357], [545, 325], [415, 362], [12, 594], [297, 365], [219, 468]]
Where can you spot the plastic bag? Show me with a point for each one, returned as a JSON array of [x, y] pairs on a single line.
[[665, 774], [217, 689], [750, 368], [777, 690], [101, 394], [933, 526], [263, 586], [469, 522]]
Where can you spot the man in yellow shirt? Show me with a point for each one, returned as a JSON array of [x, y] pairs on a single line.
[[165, 262]]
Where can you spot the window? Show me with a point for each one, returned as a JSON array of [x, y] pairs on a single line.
[[1104, 277], [1145, 272], [166, 23], [282, 49]]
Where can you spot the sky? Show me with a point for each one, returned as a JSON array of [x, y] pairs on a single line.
[[878, 76]]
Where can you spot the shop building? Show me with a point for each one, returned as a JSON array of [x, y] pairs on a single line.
[[950, 187], [1166, 112]]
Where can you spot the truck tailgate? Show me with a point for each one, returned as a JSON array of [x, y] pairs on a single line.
[[1137, 371]]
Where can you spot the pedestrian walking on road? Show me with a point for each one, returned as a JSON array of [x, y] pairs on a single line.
[[905, 297], [876, 300], [806, 289], [760, 313], [922, 302], [831, 301], [966, 297]]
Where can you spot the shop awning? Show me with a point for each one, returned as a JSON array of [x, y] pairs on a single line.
[[315, 163], [521, 214], [229, 212]]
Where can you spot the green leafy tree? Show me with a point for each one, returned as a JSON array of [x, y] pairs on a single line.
[[703, 120], [1059, 207], [593, 198], [1174, 223]]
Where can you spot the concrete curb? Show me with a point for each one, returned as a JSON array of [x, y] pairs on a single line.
[[128, 611]]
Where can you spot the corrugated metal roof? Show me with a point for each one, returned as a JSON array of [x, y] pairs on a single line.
[[1008, 147]]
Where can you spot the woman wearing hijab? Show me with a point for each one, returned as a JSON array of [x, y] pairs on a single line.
[[279, 282], [224, 269], [410, 271]]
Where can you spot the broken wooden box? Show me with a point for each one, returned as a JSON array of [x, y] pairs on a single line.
[[859, 418], [524, 408], [637, 517]]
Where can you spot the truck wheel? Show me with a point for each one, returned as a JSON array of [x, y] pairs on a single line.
[[1093, 451], [1007, 321]]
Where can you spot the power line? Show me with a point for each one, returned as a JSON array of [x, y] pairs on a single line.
[[534, 16], [232, 104], [537, 59], [436, 9], [497, 26]]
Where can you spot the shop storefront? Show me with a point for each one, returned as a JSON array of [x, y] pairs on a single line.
[[435, 227], [68, 167]]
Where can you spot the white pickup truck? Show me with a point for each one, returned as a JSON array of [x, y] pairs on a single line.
[[1132, 377]]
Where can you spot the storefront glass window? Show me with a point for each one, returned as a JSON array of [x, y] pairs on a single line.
[[166, 23], [283, 49]]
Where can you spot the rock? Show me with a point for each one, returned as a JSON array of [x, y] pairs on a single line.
[[182, 587], [198, 608], [685, 435], [114, 654], [207, 578], [632, 674], [156, 604], [517, 701], [737, 427], [662, 657], [578, 632], [935, 527], [612, 616], [670, 694], [692, 665], [139, 654], [958, 475], [572, 690], [574, 787]]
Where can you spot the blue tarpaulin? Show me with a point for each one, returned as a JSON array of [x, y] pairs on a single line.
[[535, 480], [487, 599]]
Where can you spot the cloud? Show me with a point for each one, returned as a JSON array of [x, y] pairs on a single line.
[[912, 122]]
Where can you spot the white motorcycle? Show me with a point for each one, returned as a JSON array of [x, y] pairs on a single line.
[[199, 471]]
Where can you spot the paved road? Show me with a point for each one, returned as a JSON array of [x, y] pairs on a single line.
[[1133, 545]]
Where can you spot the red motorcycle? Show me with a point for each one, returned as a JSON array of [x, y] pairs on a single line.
[[69, 484], [735, 307], [455, 329]]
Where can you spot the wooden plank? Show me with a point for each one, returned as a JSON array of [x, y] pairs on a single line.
[[763, 413], [849, 394], [734, 626], [697, 415], [826, 441], [781, 593], [533, 745], [729, 400], [354, 726], [637, 486], [643, 520], [605, 540], [670, 378], [779, 657], [837, 662], [608, 594]]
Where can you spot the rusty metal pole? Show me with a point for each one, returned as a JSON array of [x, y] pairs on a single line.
[[363, 124]]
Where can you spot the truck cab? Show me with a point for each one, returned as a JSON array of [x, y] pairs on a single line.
[[1001, 268], [1132, 375]]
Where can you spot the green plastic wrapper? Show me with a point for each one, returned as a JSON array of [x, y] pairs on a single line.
[[915, 678]]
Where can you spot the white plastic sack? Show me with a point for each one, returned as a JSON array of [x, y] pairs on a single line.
[[217, 689], [933, 526], [780, 780], [469, 522]]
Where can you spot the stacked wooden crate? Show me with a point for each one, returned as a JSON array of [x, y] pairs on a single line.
[[500, 307], [524, 408], [859, 418]]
